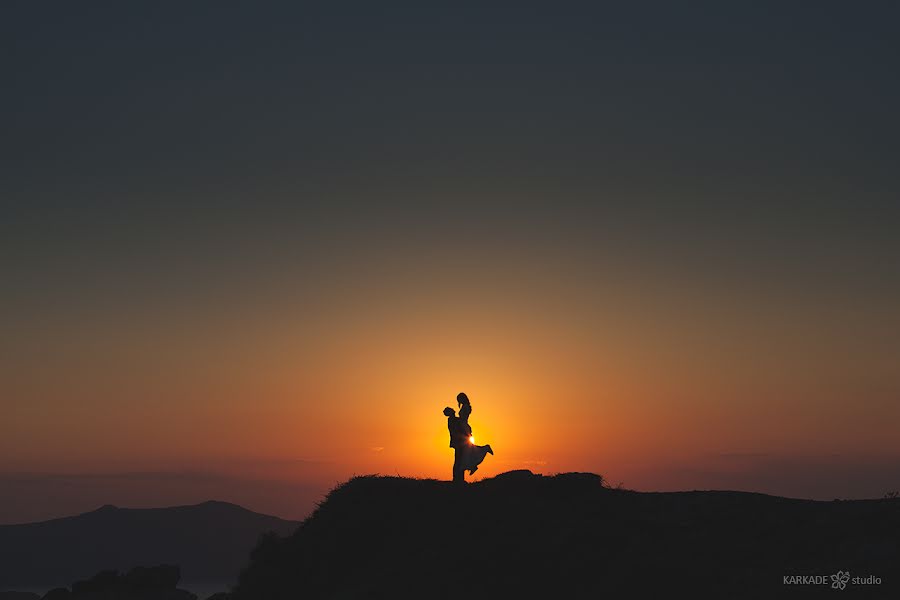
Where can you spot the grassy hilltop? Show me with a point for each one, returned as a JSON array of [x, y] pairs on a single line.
[[521, 535]]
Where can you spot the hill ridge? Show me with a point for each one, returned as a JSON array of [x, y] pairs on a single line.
[[564, 535], [112, 508]]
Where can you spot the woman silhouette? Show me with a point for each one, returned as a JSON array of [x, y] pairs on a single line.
[[473, 454]]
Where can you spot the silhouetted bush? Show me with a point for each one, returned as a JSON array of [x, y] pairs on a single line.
[[19, 596], [140, 583], [152, 578]]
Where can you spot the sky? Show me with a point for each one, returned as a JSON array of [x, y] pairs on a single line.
[[249, 251]]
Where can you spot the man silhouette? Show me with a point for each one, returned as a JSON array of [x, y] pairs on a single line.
[[458, 441]]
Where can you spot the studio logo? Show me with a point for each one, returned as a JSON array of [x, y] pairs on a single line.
[[839, 580]]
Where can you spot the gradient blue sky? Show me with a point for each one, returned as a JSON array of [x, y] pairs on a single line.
[[268, 243]]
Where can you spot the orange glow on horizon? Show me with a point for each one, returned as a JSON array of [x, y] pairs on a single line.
[[566, 382]]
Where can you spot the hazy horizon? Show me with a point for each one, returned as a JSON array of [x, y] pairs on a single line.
[[33, 497]]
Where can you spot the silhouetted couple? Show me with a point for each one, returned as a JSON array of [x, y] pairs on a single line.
[[467, 456]]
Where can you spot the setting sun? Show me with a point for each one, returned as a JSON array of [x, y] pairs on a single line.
[[471, 439]]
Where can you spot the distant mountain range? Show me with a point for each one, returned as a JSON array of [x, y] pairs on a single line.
[[211, 542]]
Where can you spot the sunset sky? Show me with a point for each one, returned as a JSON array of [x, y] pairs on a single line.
[[248, 252]]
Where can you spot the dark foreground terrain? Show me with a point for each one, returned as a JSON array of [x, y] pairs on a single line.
[[517, 536], [521, 535]]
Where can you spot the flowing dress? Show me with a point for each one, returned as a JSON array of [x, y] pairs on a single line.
[[474, 455]]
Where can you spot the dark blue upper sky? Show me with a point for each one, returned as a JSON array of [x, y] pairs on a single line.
[[213, 98], [753, 142], [741, 138], [758, 131]]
